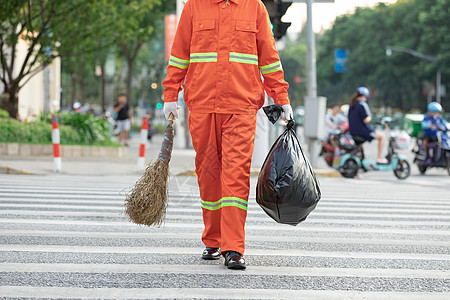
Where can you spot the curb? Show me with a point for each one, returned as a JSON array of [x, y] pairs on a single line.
[[67, 151], [327, 173], [7, 170]]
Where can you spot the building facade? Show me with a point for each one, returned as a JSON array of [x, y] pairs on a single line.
[[42, 92]]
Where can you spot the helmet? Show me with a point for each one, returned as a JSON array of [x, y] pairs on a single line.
[[363, 91], [434, 106]]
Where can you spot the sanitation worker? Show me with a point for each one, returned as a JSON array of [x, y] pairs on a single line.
[[220, 50]]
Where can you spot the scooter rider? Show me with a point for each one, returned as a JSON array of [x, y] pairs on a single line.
[[332, 122], [359, 116], [431, 124]]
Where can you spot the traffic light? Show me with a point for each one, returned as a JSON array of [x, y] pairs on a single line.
[[277, 9], [159, 105]]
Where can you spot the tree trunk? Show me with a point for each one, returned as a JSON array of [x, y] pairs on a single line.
[[103, 91], [82, 89], [74, 90], [13, 102], [129, 77]]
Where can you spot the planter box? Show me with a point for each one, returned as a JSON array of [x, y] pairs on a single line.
[[15, 149]]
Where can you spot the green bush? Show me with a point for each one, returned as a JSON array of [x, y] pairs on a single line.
[[160, 128], [40, 132], [14, 131], [4, 114], [91, 129], [136, 127]]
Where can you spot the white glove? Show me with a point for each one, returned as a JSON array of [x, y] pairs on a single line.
[[287, 112], [171, 107]]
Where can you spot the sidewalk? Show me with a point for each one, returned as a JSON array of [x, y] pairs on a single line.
[[182, 162]]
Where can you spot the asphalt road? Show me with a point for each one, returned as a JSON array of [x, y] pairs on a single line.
[[66, 236]]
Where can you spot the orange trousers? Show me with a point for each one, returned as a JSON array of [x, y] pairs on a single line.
[[224, 145]]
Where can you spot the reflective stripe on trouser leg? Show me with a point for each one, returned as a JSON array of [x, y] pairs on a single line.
[[206, 144], [238, 135]]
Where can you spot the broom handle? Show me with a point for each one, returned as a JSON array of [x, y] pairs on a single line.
[[167, 144], [171, 118]]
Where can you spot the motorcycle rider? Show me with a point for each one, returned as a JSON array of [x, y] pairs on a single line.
[[332, 122], [359, 116], [431, 124]]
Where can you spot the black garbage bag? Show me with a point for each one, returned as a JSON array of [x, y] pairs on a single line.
[[287, 189]]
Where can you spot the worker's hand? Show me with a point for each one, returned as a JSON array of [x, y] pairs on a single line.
[[171, 107], [287, 112]]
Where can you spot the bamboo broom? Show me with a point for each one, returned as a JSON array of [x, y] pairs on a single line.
[[146, 203]]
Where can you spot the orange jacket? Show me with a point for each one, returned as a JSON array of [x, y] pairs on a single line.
[[221, 48]]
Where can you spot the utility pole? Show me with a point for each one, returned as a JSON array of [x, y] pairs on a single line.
[[180, 6], [182, 138], [315, 107], [438, 86], [46, 89], [311, 52]]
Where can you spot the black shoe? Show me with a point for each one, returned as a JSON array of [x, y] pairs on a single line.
[[211, 253], [234, 260]]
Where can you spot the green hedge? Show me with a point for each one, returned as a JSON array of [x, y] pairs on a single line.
[[40, 132], [4, 114], [91, 129]]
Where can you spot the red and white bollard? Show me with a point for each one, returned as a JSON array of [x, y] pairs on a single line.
[[56, 146], [144, 135]]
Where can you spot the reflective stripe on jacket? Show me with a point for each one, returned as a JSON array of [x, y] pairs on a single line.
[[221, 48]]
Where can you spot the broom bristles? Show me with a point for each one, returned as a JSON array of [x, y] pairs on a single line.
[[146, 203]]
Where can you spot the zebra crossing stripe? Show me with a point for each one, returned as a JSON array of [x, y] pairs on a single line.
[[207, 293], [196, 235], [312, 220], [273, 226], [173, 213], [196, 251], [208, 269]]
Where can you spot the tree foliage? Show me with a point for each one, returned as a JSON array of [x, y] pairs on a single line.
[[293, 58], [435, 38], [126, 27], [30, 22], [398, 80], [84, 33]]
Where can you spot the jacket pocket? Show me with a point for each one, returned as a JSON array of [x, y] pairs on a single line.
[[246, 87], [244, 36], [204, 36]]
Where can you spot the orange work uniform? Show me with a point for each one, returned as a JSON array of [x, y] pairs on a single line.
[[221, 48]]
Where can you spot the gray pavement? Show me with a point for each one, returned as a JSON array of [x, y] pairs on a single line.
[[66, 236]]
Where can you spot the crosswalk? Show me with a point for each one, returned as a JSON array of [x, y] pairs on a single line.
[[64, 236]]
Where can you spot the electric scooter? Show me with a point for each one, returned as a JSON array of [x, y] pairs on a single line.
[[343, 139], [353, 161], [439, 153]]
